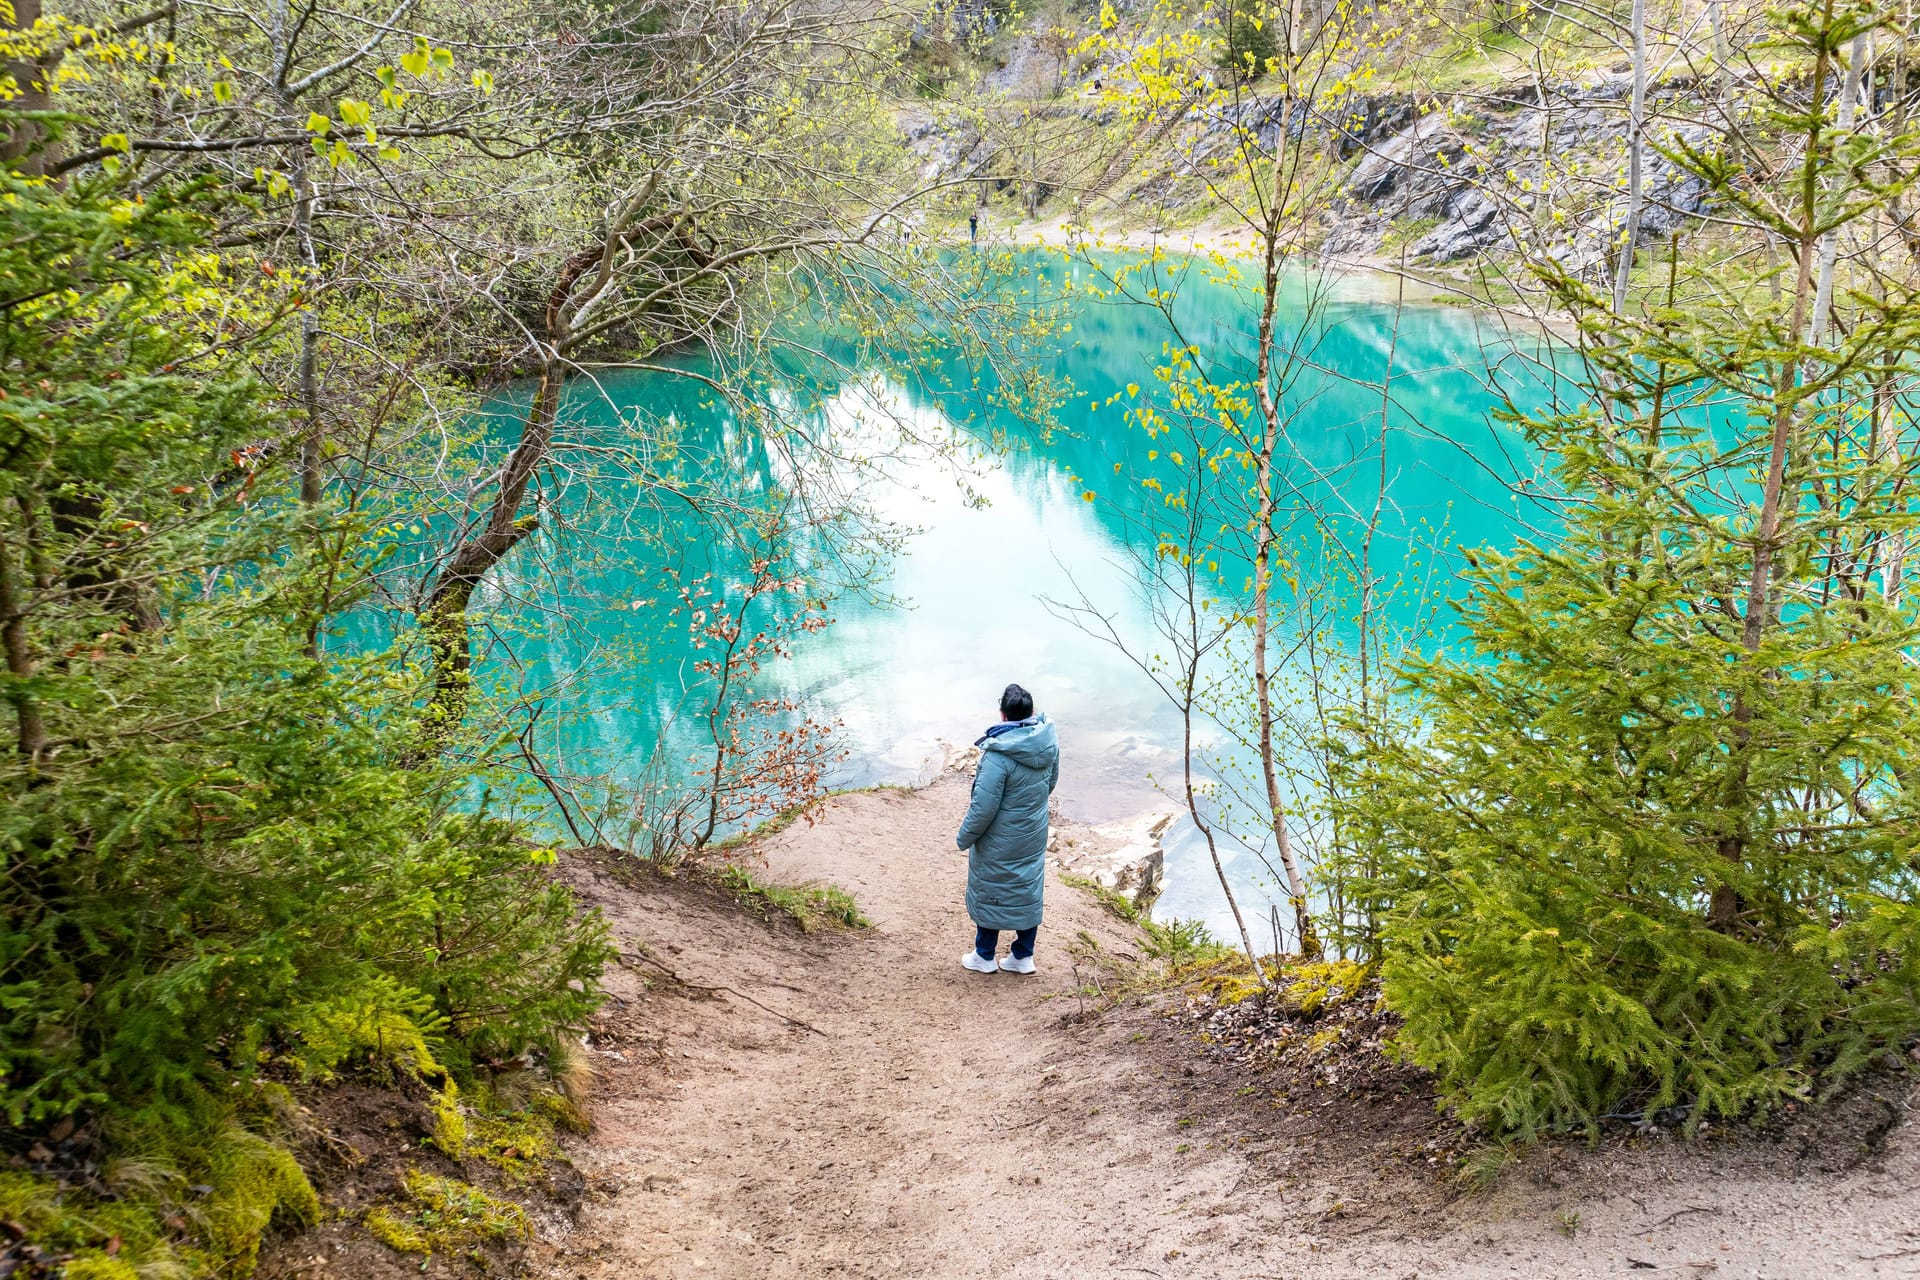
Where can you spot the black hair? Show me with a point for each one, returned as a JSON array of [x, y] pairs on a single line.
[[1016, 703]]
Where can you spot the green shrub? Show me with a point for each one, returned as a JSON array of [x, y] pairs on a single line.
[[332, 873], [1182, 942], [213, 845], [1119, 904], [379, 1024], [1620, 869], [1655, 843], [222, 854]]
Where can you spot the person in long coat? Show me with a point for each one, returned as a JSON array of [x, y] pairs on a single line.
[[1005, 833]]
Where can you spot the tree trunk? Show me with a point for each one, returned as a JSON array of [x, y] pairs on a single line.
[[31, 739], [283, 32], [1636, 154], [444, 619], [716, 715], [1850, 90], [1263, 565], [30, 76], [313, 442], [1724, 908]]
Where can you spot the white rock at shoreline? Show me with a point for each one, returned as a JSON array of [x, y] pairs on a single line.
[[1125, 856]]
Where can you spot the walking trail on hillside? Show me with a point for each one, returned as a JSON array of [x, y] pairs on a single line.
[[856, 1104]]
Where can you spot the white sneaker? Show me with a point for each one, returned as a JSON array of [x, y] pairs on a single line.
[[1015, 964], [973, 961]]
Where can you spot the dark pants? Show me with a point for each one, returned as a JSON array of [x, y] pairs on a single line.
[[987, 941]]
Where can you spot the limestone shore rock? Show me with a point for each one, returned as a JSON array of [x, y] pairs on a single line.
[[1125, 856]]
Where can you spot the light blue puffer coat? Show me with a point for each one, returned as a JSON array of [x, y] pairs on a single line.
[[1006, 824]]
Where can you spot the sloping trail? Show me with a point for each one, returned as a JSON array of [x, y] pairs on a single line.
[[930, 1122], [935, 1125]]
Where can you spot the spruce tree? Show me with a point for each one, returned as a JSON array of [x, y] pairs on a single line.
[[1655, 846]]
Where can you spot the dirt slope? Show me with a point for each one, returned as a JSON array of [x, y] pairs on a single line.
[[882, 1112]]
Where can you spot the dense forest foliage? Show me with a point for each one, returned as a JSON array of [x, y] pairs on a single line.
[[227, 866]]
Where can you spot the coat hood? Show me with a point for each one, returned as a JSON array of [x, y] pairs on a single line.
[[1030, 742]]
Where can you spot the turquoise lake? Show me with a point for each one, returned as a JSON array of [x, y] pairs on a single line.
[[917, 659]]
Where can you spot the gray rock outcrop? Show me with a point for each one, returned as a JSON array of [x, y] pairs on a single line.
[[1427, 145], [1473, 226]]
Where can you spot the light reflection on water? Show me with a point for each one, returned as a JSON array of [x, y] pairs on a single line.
[[907, 679]]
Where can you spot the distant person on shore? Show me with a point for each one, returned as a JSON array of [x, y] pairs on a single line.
[[973, 227], [1005, 832]]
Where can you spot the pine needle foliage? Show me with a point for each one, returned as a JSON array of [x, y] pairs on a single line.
[[1656, 844], [220, 863]]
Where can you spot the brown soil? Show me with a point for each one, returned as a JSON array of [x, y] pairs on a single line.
[[857, 1104]]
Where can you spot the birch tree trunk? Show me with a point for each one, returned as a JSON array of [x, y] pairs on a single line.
[[1263, 553], [1636, 155], [1850, 92]]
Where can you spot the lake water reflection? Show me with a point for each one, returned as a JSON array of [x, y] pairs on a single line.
[[905, 678]]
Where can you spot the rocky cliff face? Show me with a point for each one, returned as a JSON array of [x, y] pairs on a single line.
[[1439, 180], [1463, 178]]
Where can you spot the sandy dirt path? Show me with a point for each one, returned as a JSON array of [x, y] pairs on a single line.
[[876, 1110]]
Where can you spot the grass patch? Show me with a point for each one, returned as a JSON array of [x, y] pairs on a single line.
[[1171, 954], [1117, 903], [1484, 292], [1182, 953], [1482, 1167], [1176, 943], [811, 906], [444, 1214]]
